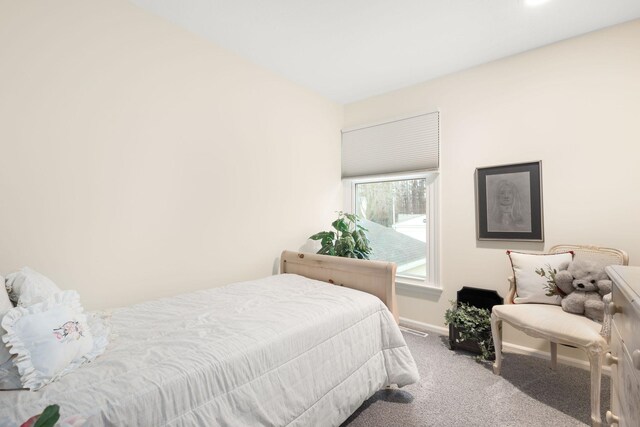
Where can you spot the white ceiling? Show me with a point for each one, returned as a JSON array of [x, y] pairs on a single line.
[[352, 49]]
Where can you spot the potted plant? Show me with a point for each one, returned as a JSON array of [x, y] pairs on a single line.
[[471, 326], [348, 240]]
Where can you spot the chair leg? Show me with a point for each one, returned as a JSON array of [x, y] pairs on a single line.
[[595, 361], [496, 332], [553, 348]]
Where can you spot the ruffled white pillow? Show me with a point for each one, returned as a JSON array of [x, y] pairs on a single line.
[[5, 302], [9, 377], [27, 287], [5, 305], [49, 339]]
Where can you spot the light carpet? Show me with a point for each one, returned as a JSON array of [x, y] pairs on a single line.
[[455, 390]]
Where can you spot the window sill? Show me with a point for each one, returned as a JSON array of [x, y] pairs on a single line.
[[417, 289]]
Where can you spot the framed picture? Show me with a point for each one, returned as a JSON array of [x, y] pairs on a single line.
[[509, 202]]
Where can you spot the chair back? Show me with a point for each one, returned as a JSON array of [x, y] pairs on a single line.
[[600, 255]]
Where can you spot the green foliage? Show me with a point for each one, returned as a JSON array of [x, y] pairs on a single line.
[[473, 324], [550, 276], [348, 240], [49, 416]]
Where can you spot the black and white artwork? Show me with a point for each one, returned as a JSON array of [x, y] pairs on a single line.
[[509, 202]]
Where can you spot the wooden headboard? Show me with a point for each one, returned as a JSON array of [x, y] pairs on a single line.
[[374, 277]]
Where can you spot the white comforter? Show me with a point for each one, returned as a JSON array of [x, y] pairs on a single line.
[[284, 350]]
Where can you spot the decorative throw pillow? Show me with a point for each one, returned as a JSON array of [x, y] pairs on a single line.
[[49, 339], [531, 286], [100, 326], [9, 377], [27, 287], [5, 302], [5, 305]]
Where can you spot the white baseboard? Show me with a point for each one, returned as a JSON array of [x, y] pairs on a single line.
[[423, 327], [506, 346]]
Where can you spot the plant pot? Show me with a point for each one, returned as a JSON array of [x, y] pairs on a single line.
[[455, 343], [481, 298]]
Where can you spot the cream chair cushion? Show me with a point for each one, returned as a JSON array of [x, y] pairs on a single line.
[[551, 322]]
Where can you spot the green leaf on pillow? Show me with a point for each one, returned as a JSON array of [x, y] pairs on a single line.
[[550, 276]]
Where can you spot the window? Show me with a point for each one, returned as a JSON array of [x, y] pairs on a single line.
[[399, 213], [397, 204]]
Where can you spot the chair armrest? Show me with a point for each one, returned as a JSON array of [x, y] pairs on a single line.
[[512, 291]]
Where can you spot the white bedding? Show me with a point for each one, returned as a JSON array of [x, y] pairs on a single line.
[[284, 350]]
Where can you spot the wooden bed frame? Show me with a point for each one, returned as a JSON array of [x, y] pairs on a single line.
[[374, 277]]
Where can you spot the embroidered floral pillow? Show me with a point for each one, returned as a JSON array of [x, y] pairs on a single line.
[[49, 339], [531, 285]]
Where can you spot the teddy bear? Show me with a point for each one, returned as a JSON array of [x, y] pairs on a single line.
[[563, 280], [589, 284]]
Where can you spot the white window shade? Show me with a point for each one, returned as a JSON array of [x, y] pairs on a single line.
[[404, 145]]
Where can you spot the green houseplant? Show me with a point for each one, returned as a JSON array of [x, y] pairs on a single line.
[[472, 324], [348, 240]]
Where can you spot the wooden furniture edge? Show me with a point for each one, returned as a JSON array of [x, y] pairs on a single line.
[[374, 277]]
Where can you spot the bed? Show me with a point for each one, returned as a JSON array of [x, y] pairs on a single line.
[[286, 350]]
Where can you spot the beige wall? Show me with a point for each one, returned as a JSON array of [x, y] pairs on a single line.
[[138, 160], [574, 105]]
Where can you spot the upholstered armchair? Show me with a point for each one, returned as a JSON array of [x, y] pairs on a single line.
[[550, 322]]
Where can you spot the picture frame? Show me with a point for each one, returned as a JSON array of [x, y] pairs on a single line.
[[509, 202]]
